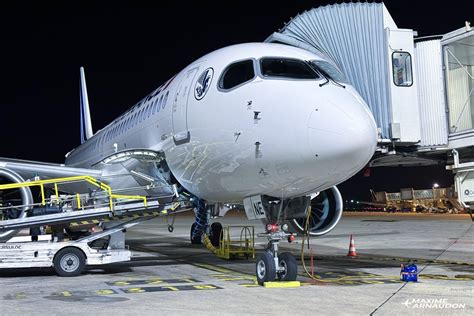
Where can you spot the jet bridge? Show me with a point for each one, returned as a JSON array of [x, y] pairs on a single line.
[[419, 89]]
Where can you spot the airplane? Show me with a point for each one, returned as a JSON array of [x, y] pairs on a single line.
[[268, 126]]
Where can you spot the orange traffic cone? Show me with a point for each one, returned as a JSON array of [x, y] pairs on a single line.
[[352, 249]]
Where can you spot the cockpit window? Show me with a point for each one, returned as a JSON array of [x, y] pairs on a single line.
[[329, 70], [287, 68], [237, 74]]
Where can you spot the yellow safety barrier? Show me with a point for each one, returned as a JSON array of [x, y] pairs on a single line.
[[281, 284], [57, 181], [229, 248]]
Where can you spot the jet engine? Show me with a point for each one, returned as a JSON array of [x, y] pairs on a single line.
[[326, 211], [24, 198]]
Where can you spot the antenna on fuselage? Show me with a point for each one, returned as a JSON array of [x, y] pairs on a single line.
[[86, 124]]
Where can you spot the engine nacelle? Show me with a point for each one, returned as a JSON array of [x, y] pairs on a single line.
[[326, 211], [26, 199]]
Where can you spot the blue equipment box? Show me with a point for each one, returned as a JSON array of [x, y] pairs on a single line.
[[409, 273]]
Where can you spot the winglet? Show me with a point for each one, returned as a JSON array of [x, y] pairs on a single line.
[[86, 124]]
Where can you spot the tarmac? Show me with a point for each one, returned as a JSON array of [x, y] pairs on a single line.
[[168, 275]]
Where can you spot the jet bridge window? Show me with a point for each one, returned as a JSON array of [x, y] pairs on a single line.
[[402, 70], [287, 68], [237, 74]]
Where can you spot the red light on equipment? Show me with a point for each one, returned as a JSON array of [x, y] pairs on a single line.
[[272, 228]]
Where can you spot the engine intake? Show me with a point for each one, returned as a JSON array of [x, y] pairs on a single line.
[[326, 211], [26, 199]]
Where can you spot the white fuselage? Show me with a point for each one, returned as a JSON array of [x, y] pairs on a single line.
[[282, 137]]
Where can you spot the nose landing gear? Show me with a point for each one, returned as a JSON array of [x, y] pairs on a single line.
[[270, 265]]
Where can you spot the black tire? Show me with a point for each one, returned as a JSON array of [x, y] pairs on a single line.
[[69, 262], [288, 262], [196, 240], [215, 236], [265, 269]]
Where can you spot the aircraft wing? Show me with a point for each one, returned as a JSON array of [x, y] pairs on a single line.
[[30, 169]]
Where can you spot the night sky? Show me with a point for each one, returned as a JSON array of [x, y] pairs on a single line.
[[130, 47]]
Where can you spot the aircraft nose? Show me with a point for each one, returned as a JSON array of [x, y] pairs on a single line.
[[342, 134]]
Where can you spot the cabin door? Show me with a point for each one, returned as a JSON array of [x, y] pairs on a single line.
[[180, 108]]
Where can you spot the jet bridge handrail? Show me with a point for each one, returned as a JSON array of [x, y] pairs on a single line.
[[56, 181]]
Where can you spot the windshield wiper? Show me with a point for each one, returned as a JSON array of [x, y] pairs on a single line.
[[324, 83], [323, 74]]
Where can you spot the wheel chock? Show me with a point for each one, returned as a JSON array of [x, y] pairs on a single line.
[[281, 284]]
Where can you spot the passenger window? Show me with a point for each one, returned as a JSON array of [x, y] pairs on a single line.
[[287, 68], [237, 74], [402, 72]]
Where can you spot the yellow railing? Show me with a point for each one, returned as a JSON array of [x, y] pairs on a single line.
[[228, 248], [57, 181], [245, 246]]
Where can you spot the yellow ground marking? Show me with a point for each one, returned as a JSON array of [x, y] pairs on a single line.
[[155, 282], [135, 290], [104, 292], [172, 288], [458, 277], [464, 277], [187, 280], [213, 268], [204, 287], [234, 279], [250, 284]]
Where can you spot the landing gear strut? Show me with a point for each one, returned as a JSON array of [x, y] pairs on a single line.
[[201, 222], [270, 265]]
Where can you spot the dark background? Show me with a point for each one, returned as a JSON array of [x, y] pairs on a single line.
[[131, 47]]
